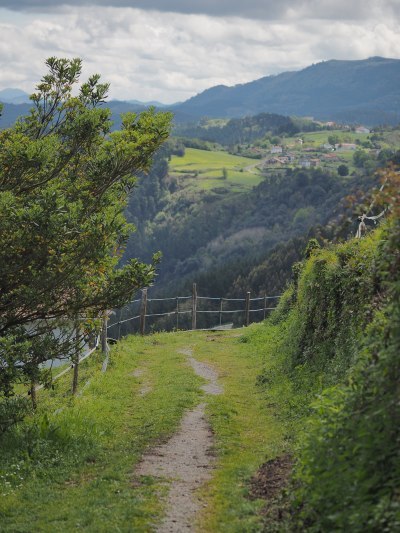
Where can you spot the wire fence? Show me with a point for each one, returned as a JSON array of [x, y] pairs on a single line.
[[146, 315], [191, 312]]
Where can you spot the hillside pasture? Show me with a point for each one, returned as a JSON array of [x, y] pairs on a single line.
[[205, 170]]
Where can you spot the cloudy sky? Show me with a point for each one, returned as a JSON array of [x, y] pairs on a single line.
[[169, 50]]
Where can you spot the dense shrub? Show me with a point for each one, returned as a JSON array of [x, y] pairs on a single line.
[[349, 466], [339, 354], [12, 410]]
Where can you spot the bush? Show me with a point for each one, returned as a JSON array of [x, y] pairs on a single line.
[[337, 363], [12, 411], [343, 170]]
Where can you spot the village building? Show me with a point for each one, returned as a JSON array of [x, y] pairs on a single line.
[[276, 149], [284, 160], [362, 129], [342, 147], [330, 158]]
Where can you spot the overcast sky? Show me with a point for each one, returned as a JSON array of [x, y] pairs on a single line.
[[169, 50]]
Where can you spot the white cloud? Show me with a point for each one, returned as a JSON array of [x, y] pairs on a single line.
[[151, 55]]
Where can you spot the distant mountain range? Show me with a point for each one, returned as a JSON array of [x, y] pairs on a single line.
[[154, 103], [11, 112], [17, 96], [365, 92], [14, 96]]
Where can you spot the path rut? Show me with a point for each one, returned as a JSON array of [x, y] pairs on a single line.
[[185, 460]]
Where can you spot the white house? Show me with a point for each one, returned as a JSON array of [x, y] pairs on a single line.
[[276, 149], [362, 129]]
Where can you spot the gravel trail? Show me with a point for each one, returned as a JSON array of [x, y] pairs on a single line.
[[185, 460]]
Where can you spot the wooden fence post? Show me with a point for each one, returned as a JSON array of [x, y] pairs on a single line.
[[143, 311], [104, 334], [121, 312], [220, 311], [194, 306], [76, 359], [177, 312], [104, 344], [247, 310]]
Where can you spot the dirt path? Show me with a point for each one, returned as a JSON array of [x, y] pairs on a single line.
[[258, 165], [145, 386], [185, 460]]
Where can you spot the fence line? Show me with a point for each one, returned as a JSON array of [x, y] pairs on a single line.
[[102, 338], [194, 310], [72, 365]]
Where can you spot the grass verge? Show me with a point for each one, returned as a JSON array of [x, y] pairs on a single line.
[[71, 468], [246, 433]]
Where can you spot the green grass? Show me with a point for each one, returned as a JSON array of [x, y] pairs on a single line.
[[71, 466], [321, 137], [246, 432], [204, 169], [77, 464], [216, 123]]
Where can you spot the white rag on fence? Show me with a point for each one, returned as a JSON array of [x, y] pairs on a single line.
[[362, 228]]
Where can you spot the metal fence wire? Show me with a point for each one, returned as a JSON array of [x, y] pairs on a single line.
[[167, 314], [192, 312]]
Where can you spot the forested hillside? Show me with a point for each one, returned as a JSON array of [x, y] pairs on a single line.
[[215, 236], [242, 130], [365, 91], [362, 91], [235, 217]]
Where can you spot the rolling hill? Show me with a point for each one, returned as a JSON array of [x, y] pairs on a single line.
[[361, 92], [12, 111], [365, 91], [14, 96]]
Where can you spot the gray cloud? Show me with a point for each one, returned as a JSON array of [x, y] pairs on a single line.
[[253, 9], [152, 55]]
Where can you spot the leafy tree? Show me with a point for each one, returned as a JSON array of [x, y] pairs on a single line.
[[360, 157], [64, 183], [343, 170], [334, 139], [385, 156]]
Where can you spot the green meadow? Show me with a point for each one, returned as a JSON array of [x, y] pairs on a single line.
[[205, 170]]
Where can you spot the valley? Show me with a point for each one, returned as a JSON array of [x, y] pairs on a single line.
[[221, 212]]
